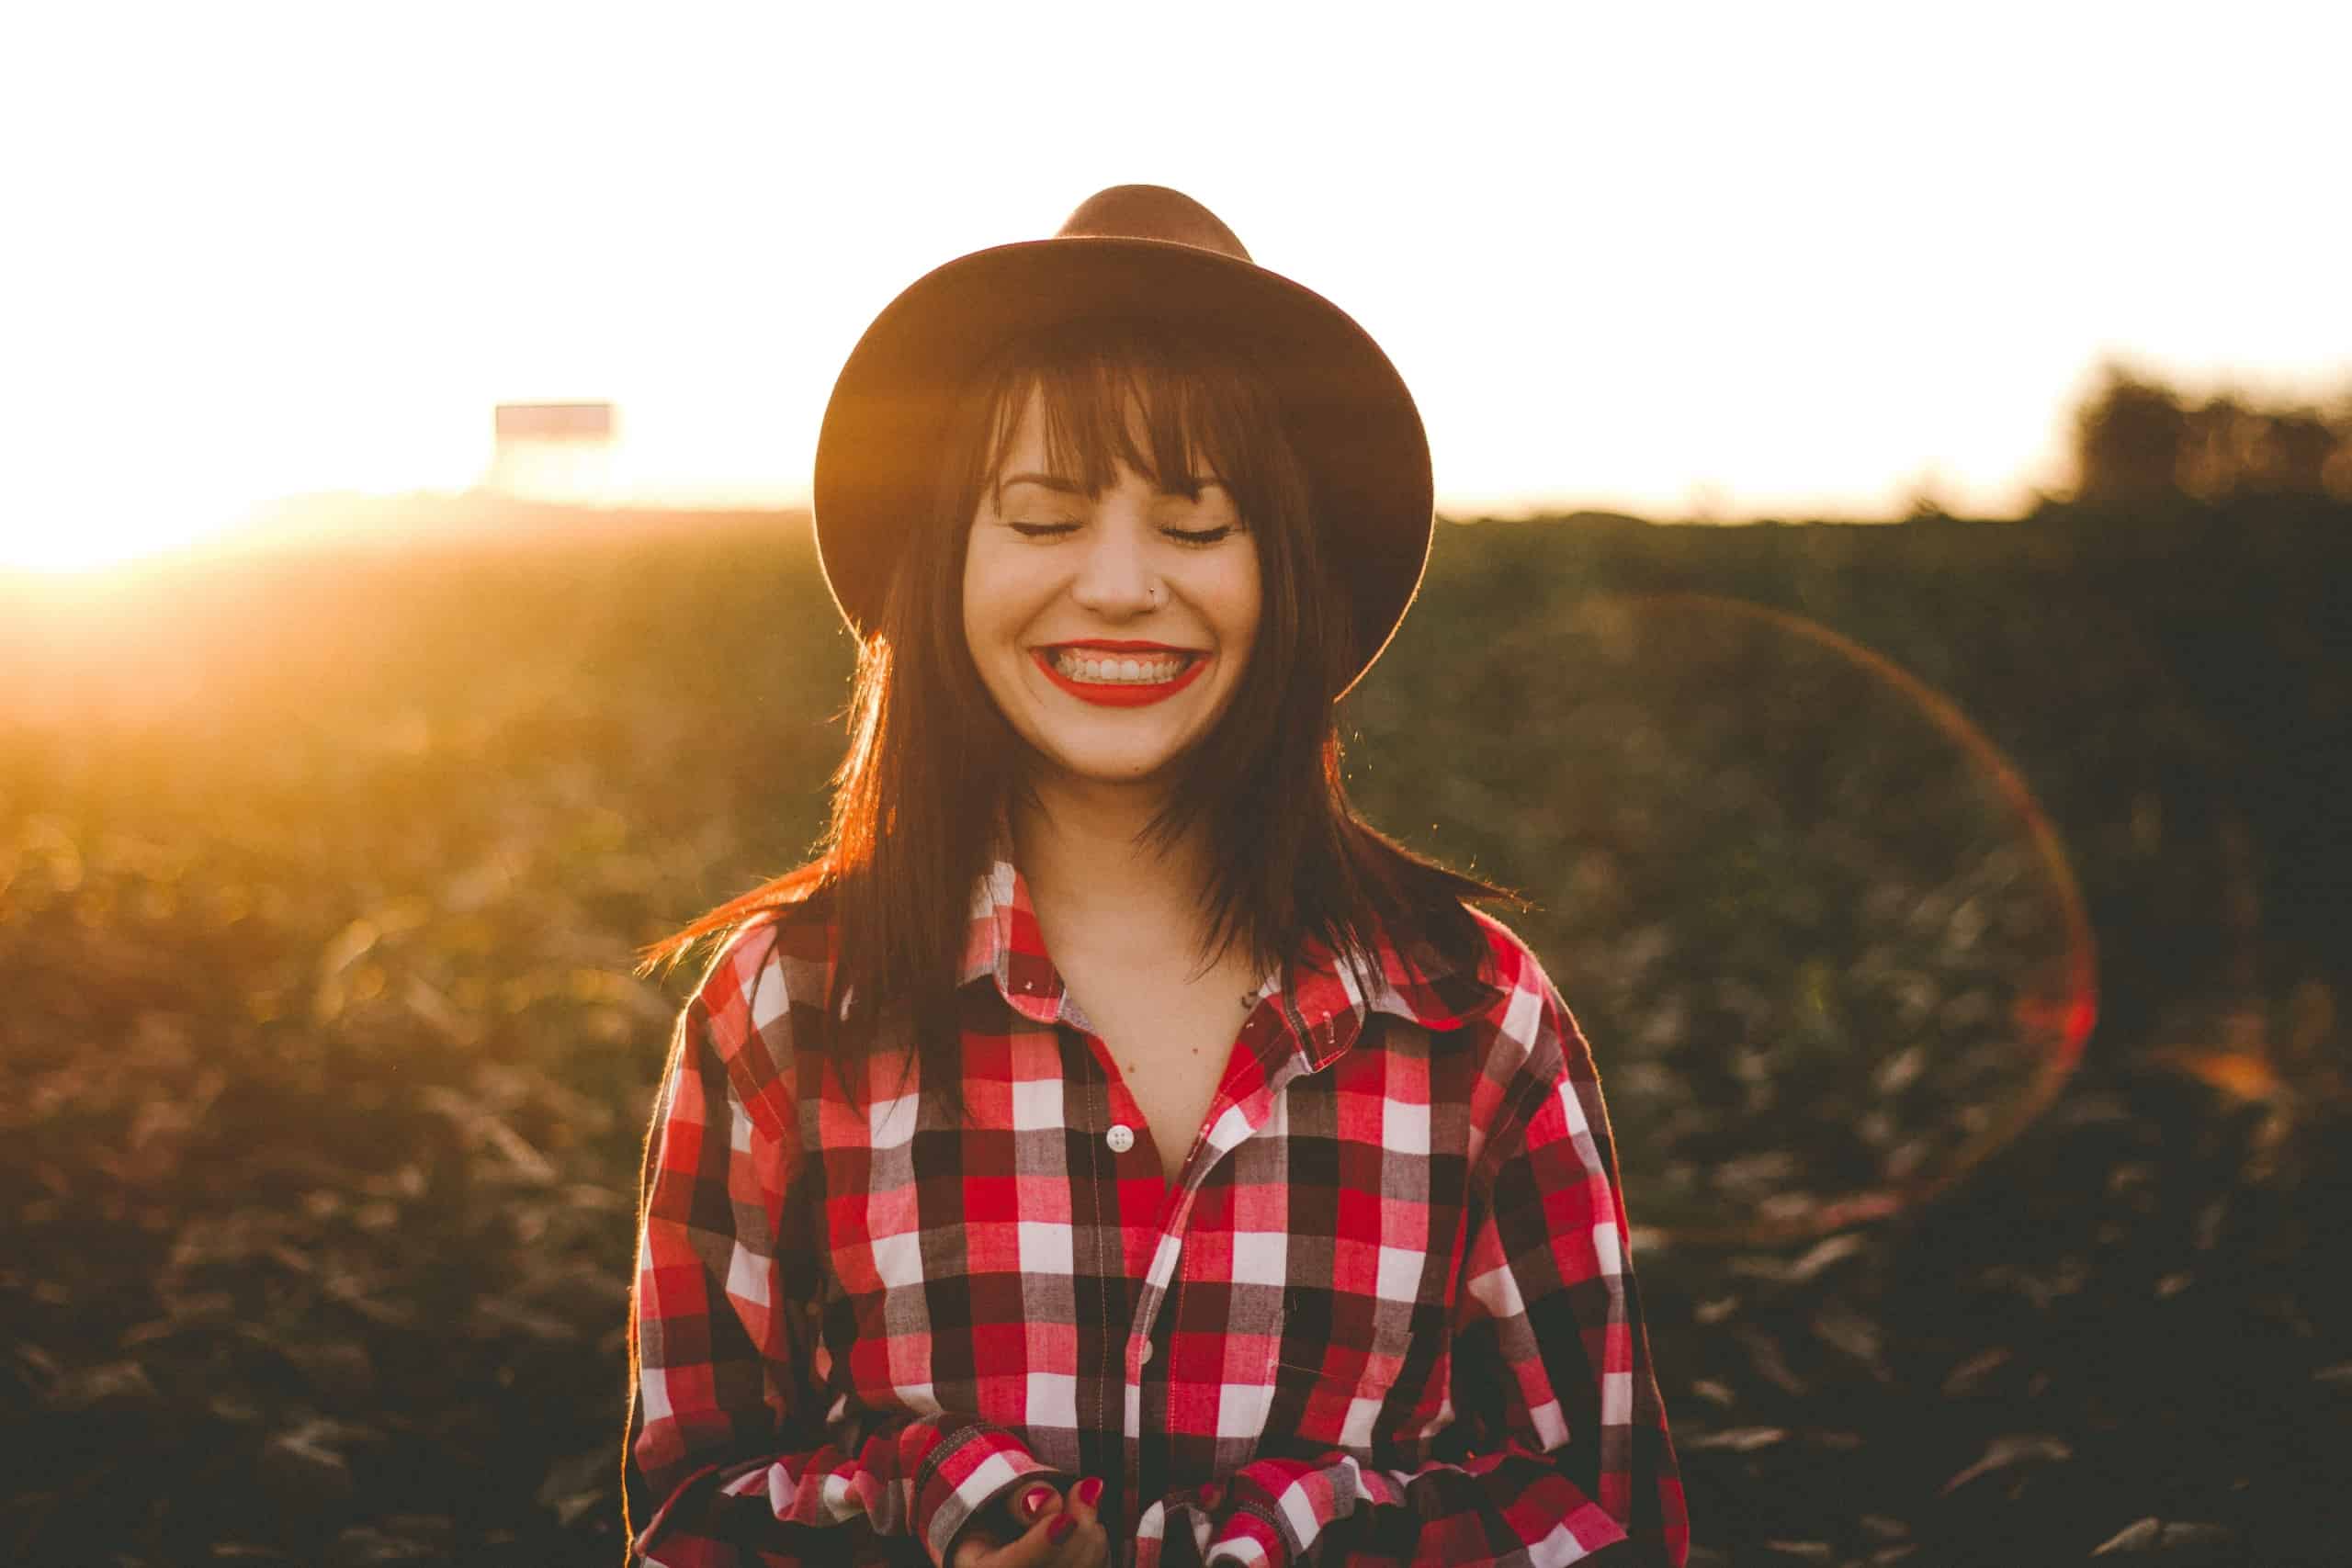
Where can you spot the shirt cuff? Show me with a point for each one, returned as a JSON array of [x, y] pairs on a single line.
[[1191, 1530], [1249, 1532], [968, 1469], [1248, 1540]]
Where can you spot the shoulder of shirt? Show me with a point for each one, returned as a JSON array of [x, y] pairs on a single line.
[[1532, 1032], [774, 964], [1536, 1062]]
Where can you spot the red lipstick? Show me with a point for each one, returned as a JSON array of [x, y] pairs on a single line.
[[1124, 695]]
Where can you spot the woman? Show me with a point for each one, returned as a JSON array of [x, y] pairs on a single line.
[[1111, 1149]]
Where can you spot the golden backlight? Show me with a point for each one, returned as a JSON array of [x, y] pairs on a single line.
[[1787, 262], [66, 533]]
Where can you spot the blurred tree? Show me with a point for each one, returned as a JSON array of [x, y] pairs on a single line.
[[2216, 451], [2136, 439], [2130, 439], [2300, 446], [2335, 474]]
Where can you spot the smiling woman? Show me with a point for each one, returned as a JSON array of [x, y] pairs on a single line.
[[1060, 587], [1111, 1149]]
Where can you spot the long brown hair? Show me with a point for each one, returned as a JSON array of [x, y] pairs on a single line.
[[931, 765]]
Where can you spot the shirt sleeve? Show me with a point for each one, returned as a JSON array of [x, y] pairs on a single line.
[[1564, 1452], [734, 1448]]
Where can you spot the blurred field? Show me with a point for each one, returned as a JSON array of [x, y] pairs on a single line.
[[323, 1069]]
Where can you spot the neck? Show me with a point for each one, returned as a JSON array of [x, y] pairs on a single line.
[[1093, 878]]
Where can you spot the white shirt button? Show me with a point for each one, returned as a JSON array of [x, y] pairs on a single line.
[[1121, 1138]]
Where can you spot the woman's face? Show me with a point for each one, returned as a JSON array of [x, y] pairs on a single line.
[[1113, 632]]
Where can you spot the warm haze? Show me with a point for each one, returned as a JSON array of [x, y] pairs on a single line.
[[1727, 261]]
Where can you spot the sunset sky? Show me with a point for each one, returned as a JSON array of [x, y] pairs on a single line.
[[1736, 260]]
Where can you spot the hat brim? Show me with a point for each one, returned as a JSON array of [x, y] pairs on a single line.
[[1346, 410]]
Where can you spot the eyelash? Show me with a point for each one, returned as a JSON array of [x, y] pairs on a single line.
[[1198, 539]]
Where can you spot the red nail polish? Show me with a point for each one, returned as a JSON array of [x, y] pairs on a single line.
[[1033, 1501], [1090, 1491], [1058, 1531], [1210, 1494]]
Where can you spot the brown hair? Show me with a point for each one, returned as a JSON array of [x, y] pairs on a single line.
[[932, 764]]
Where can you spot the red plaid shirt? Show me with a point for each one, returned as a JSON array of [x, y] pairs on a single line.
[[1387, 1308]]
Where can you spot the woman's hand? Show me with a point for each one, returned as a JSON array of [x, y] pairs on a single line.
[[1061, 1533]]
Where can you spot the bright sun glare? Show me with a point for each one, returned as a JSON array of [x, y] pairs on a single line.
[[269, 282], [64, 530]]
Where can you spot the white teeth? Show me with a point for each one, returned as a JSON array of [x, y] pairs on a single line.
[[1122, 671]]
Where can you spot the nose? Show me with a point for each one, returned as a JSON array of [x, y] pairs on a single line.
[[1115, 577]]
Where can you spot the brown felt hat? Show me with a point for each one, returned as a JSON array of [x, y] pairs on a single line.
[[1129, 251]]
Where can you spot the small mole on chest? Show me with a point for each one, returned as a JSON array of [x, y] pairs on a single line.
[[1248, 1003]]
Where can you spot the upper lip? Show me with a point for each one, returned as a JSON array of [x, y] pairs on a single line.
[[1112, 645]]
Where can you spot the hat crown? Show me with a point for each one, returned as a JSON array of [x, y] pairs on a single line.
[[1151, 212], [1127, 252]]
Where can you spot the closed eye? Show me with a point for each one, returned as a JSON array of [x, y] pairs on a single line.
[[1198, 535]]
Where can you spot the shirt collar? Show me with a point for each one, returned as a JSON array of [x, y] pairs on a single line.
[[1323, 1001]]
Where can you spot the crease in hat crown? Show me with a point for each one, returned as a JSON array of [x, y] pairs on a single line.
[[1127, 249]]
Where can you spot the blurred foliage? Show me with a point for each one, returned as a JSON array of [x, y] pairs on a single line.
[[324, 1071], [2137, 439]]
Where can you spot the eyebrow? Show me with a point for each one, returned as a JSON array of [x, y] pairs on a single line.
[[1064, 485]]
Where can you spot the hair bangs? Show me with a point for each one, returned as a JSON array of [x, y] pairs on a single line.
[[1176, 410]]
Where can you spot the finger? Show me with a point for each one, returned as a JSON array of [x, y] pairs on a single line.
[[1033, 1502], [1078, 1538], [1034, 1548], [1002, 1522], [1077, 1543]]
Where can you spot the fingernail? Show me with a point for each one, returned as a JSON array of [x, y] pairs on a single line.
[[1058, 1531], [1033, 1501], [1089, 1490], [1210, 1494]]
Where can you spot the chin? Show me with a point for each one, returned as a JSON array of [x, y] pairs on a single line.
[[1099, 768], [1118, 773]]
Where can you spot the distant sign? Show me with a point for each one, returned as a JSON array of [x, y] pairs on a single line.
[[555, 422]]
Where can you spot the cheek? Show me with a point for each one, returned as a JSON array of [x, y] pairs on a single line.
[[1002, 597], [987, 602], [1248, 605]]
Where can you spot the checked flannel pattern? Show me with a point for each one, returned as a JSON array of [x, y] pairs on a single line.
[[1385, 1316]]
